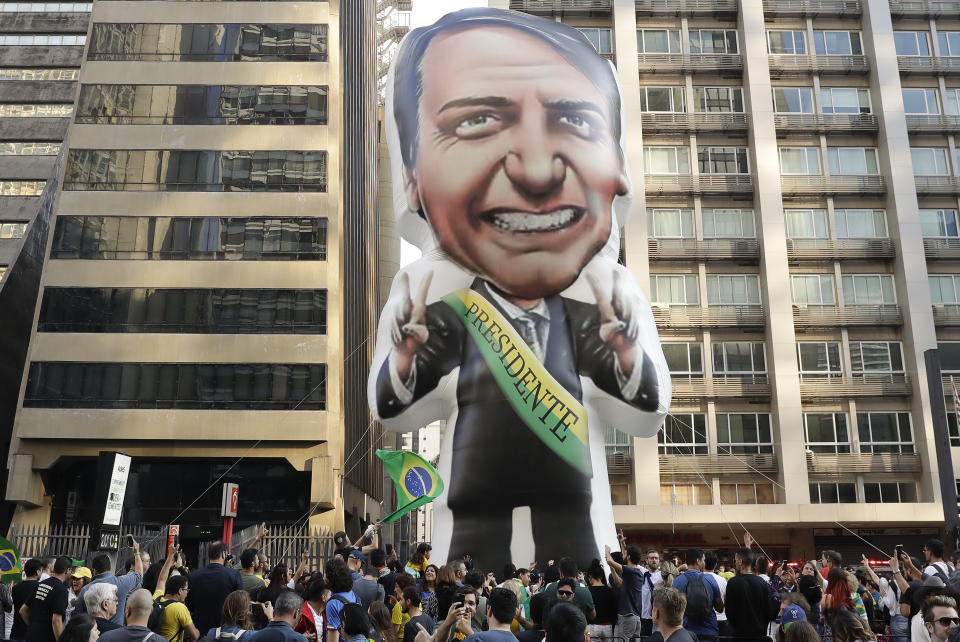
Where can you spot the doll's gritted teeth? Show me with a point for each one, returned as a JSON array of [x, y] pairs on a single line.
[[521, 222]]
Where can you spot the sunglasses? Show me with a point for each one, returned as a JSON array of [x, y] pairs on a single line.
[[567, 593], [947, 621]]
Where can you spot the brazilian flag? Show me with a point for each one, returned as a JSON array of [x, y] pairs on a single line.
[[10, 567], [416, 481]]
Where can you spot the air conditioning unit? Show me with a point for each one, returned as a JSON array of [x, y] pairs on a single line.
[[799, 306]]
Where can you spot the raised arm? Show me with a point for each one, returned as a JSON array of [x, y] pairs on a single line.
[[165, 570]]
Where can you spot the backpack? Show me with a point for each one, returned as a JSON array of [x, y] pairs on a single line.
[[699, 599], [156, 615], [222, 635], [372, 628], [939, 573]]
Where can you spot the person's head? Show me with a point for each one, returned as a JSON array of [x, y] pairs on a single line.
[[634, 556], [565, 623], [317, 591], [422, 554], [695, 558], [177, 588], [262, 562], [378, 558], [62, 567], [667, 606], [32, 568], [289, 605], [744, 560], [355, 560], [48, 562], [101, 600], [402, 582], [653, 559], [248, 559], [101, 564], [566, 589], [940, 617], [838, 586], [410, 599], [280, 574], [567, 567], [353, 620], [801, 632], [761, 565], [337, 575], [933, 550], [381, 615], [848, 627], [236, 609], [794, 598], [79, 578], [710, 561], [474, 578], [446, 576], [467, 596], [459, 569], [596, 573], [218, 553], [502, 606], [510, 124], [430, 574], [809, 568], [831, 559], [80, 628], [138, 607]]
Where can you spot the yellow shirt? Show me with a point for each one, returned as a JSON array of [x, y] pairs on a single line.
[[399, 617], [175, 618]]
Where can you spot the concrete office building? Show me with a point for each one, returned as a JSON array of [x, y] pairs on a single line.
[[212, 275], [798, 180]]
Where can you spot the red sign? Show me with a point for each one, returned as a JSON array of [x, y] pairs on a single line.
[[231, 500], [174, 529]]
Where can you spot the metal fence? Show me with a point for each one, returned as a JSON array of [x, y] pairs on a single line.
[[282, 544], [73, 540]]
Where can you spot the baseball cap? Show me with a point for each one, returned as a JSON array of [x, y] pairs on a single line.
[[356, 554], [82, 571], [340, 539], [791, 614]]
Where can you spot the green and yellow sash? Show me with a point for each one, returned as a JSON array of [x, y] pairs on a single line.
[[554, 415]]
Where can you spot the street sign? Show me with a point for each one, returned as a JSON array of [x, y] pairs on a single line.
[[231, 498], [174, 529]]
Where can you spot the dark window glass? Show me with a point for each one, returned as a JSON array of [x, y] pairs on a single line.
[[212, 42], [234, 386]]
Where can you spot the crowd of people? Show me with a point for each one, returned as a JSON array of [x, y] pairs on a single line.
[[364, 592]]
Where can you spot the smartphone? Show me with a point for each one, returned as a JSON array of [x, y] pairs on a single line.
[[899, 552], [130, 540]]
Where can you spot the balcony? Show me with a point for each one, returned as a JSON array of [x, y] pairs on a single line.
[[686, 7], [803, 124], [933, 124], [827, 316], [793, 65], [702, 249], [923, 8], [714, 316], [946, 314], [941, 248], [930, 185], [812, 8], [696, 465], [689, 63], [696, 122], [619, 464], [855, 386], [846, 464], [831, 185], [937, 65], [721, 388], [671, 184], [560, 7], [830, 249]]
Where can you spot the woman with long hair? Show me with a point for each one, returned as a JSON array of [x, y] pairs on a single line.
[[428, 591], [418, 563], [849, 627], [811, 588], [446, 590], [381, 618], [801, 632], [235, 618], [604, 601], [80, 628], [837, 596], [277, 584]]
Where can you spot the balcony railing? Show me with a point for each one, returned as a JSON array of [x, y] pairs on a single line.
[[703, 249], [933, 123], [946, 314], [686, 7], [813, 8], [696, 122], [696, 465], [714, 316], [561, 6], [789, 64], [937, 184], [856, 386], [937, 248], [845, 464], [832, 185], [923, 8], [721, 387], [825, 316], [619, 464], [803, 124], [667, 184], [689, 63], [939, 65], [828, 249]]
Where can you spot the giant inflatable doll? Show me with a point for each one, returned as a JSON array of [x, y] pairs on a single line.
[[517, 326]]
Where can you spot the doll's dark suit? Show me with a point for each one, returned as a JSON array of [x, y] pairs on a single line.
[[497, 461]]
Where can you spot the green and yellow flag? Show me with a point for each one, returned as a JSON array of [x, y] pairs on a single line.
[[416, 481], [10, 567]]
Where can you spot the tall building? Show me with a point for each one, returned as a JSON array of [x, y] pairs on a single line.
[[211, 280], [796, 229]]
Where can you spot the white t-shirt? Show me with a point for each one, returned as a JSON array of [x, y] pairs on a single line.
[[722, 583], [918, 632], [931, 570]]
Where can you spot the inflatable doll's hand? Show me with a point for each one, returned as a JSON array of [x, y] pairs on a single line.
[[409, 329]]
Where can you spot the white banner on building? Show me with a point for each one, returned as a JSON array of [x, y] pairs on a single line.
[[117, 490]]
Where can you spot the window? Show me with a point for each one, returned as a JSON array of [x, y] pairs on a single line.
[[658, 41], [812, 289], [615, 441], [228, 386], [911, 43], [46, 7], [949, 357], [845, 100], [203, 105], [876, 358], [868, 289], [208, 42], [833, 493], [793, 100], [889, 492], [11, 110], [194, 238], [787, 42], [806, 224], [13, 230], [22, 188], [666, 160], [944, 288], [953, 430], [685, 360], [746, 494], [952, 101], [728, 224], [929, 161], [939, 223], [674, 288], [843, 43], [683, 434], [599, 38], [14, 148], [671, 224], [41, 39], [713, 41], [39, 74], [852, 160], [738, 358], [723, 160], [861, 224], [719, 99], [686, 495], [949, 43], [885, 432], [800, 160], [744, 433], [733, 289], [923, 101], [661, 99], [826, 432], [819, 358]]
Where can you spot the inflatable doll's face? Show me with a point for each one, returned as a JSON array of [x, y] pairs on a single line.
[[516, 166]]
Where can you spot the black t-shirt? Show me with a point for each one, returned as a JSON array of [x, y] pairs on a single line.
[[48, 600], [21, 593], [605, 601], [748, 606], [106, 625], [531, 635], [410, 629], [680, 635]]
